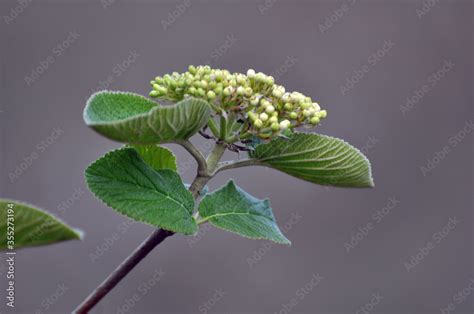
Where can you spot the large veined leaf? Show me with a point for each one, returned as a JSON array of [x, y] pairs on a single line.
[[23, 225], [132, 118], [232, 209], [123, 181], [157, 157], [316, 158]]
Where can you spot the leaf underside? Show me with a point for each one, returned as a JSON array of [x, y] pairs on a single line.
[[232, 209], [132, 118], [316, 158], [157, 157], [32, 226], [123, 181]]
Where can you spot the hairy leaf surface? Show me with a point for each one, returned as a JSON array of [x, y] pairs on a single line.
[[123, 181], [232, 209], [31, 226], [132, 118], [316, 158]]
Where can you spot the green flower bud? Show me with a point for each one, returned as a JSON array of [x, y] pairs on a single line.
[[201, 92], [314, 120], [252, 116], [258, 123], [254, 101], [265, 103], [305, 105], [270, 109], [288, 106], [211, 94], [218, 90], [263, 117], [323, 114], [228, 90], [275, 126], [240, 90], [158, 80], [203, 84], [156, 86], [273, 120], [248, 91], [293, 115], [154, 93]]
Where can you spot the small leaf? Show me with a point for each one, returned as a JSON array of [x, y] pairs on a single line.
[[31, 226], [132, 118], [316, 158], [232, 209], [123, 181], [157, 157]]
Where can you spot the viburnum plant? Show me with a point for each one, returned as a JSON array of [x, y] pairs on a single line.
[[237, 112]]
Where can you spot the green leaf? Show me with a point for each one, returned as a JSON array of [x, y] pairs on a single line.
[[316, 158], [232, 209], [157, 157], [132, 118], [123, 181], [31, 226]]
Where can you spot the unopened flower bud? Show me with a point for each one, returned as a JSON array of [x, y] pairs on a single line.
[[288, 106], [285, 124], [258, 123], [251, 73], [314, 120], [263, 117], [270, 109], [211, 94], [154, 93], [316, 106], [293, 115], [240, 90], [273, 120], [275, 126], [323, 114]]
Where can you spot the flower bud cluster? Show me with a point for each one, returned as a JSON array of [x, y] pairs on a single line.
[[265, 107]]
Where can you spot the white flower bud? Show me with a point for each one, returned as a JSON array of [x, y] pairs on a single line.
[[251, 73], [285, 124], [273, 119], [316, 106], [270, 109], [263, 116]]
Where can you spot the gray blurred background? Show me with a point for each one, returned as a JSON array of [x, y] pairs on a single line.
[[397, 80]]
